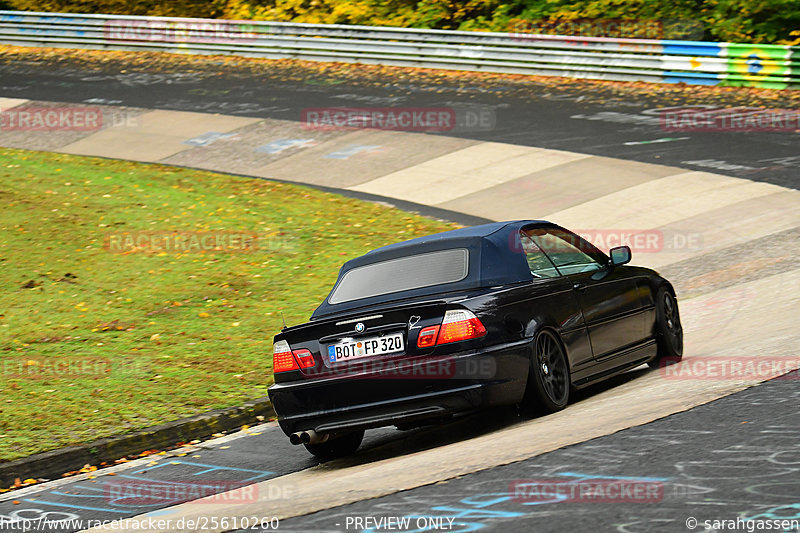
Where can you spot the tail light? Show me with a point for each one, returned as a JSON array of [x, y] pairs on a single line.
[[427, 337], [305, 358], [460, 325], [457, 325], [282, 359]]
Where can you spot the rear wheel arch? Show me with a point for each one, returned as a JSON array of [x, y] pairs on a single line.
[[557, 335], [551, 328], [539, 397]]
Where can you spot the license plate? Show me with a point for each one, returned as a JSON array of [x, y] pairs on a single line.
[[357, 348]]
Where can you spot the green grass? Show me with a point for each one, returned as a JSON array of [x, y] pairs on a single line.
[[150, 337]]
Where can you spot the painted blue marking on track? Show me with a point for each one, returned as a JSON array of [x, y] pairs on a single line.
[[70, 495], [160, 481], [205, 469], [73, 506], [208, 138], [476, 513], [501, 497], [160, 512], [205, 483], [778, 513], [208, 468], [351, 150], [279, 145], [600, 476]]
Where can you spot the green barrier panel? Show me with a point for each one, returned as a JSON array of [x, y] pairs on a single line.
[[758, 65]]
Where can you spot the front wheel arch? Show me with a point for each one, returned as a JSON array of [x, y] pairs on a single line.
[[667, 330]]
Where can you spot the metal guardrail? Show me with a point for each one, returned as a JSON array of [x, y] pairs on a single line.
[[666, 61]]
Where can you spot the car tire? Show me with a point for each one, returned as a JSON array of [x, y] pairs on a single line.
[[669, 331], [339, 446], [549, 386]]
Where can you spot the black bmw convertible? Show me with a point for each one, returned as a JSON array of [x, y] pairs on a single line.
[[506, 313]]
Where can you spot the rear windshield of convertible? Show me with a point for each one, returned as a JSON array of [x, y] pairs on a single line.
[[402, 274]]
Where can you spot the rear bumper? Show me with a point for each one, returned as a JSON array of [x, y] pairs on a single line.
[[403, 392]]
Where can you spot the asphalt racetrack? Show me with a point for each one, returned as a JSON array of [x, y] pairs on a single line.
[[624, 126], [695, 445]]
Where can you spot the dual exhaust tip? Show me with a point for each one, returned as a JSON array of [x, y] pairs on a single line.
[[308, 437]]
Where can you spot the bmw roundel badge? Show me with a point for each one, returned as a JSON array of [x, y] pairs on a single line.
[[360, 327]]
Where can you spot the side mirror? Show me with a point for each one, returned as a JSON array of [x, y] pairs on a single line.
[[620, 255]]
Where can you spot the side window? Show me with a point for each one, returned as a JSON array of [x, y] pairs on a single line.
[[540, 265], [569, 253]]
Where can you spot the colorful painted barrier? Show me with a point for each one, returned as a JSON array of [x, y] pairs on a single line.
[[660, 61]]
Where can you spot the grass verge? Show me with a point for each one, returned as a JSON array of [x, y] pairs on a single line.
[[95, 343]]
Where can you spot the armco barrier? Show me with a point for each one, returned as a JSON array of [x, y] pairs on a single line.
[[662, 61]]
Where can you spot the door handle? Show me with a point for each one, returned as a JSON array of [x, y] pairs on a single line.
[[579, 286]]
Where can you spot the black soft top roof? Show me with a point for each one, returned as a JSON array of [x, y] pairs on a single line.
[[494, 259]]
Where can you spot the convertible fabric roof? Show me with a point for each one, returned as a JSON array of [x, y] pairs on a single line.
[[495, 258]]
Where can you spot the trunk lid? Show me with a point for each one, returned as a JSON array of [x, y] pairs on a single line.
[[343, 340]]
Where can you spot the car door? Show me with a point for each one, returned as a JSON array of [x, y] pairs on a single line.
[[610, 300], [562, 304]]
